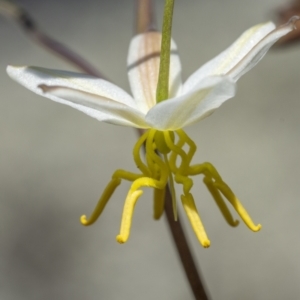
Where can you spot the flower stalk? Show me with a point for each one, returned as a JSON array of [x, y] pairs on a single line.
[[162, 92]]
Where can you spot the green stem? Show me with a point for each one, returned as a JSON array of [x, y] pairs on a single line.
[[162, 91]]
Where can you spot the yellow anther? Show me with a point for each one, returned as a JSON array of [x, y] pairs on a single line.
[[130, 202], [101, 203], [193, 215], [220, 202], [234, 201]]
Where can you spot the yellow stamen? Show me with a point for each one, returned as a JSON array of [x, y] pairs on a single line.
[[220, 202], [177, 151], [193, 215], [210, 172], [136, 153], [101, 203], [155, 173], [135, 192], [183, 136], [127, 215], [185, 181], [234, 201], [107, 193]]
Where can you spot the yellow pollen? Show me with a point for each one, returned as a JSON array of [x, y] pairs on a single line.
[[167, 161]]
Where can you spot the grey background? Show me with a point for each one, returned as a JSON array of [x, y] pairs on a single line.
[[55, 162]]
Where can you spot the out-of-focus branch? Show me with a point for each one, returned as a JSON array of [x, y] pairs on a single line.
[[145, 18], [29, 26], [283, 15]]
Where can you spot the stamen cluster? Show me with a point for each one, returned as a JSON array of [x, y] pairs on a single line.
[[166, 159]]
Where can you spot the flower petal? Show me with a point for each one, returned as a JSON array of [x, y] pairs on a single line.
[[33, 76], [143, 69], [63, 89], [190, 108], [259, 50], [242, 55]]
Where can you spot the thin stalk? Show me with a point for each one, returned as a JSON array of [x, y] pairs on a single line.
[[162, 92], [145, 18]]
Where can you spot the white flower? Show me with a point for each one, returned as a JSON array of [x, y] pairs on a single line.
[[202, 93]]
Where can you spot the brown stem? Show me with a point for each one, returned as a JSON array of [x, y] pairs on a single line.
[[184, 251], [145, 18]]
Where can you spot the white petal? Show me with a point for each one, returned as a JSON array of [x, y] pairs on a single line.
[[31, 77], [242, 55], [259, 50], [190, 108], [143, 69], [97, 106]]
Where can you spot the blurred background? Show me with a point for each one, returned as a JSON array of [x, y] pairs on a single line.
[[55, 162]]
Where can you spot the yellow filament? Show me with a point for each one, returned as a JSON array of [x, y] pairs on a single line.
[[183, 136], [101, 203], [234, 201], [205, 168], [107, 193], [174, 155], [193, 215], [122, 174], [220, 203], [152, 163], [155, 173], [154, 160], [127, 215], [132, 197], [218, 184], [185, 181], [178, 151], [135, 192], [136, 154]]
